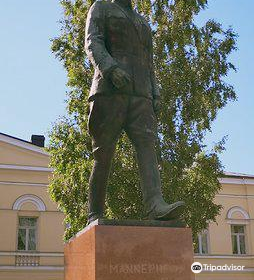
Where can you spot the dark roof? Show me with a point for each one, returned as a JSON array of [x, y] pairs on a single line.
[[16, 138]]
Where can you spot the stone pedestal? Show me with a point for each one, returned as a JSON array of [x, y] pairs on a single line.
[[134, 250]]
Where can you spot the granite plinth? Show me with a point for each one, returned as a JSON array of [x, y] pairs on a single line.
[[141, 250]]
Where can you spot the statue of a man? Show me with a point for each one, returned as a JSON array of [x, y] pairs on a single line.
[[124, 96]]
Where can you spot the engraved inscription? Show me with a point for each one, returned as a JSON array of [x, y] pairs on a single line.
[[143, 268]]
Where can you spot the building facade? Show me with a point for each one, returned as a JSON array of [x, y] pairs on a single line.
[[230, 241], [31, 226]]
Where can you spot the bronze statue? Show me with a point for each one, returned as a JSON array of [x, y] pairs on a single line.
[[124, 96]]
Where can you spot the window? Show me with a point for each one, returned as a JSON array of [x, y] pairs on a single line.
[[201, 243], [238, 239], [27, 234]]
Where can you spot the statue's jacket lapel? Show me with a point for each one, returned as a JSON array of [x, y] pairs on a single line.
[[136, 25]]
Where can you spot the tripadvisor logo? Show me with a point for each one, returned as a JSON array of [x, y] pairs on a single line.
[[196, 267]]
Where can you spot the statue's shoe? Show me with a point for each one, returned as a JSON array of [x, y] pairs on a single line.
[[93, 218], [166, 212]]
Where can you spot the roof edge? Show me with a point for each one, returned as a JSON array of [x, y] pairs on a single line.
[[237, 175], [21, 143]]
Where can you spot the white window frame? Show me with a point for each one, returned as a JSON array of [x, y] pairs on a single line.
[[238, 239], [200, 251], [27, 228]]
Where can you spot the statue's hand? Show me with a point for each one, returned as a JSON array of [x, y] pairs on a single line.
[[157, 106], [120, 78]]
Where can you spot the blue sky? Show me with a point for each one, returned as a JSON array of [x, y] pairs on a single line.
[[33, 82]]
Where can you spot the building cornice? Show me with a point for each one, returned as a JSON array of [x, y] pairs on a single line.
[[235, 195], [236, 181], [27, 184], [51, 268], [39, 254], [26, 167], [236, 257]]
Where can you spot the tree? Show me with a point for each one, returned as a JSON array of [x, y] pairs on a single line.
[[191, 63]]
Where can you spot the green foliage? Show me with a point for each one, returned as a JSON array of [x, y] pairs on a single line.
[[191, 63]]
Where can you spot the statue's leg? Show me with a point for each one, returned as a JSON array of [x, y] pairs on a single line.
[[98, 181], [142, 130], [107, 115]]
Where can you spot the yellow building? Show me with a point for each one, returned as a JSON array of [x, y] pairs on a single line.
[[231, 240], [31, 227]]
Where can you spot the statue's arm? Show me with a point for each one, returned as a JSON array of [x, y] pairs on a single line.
[[95, 40], [155, 86], [156, 89]]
